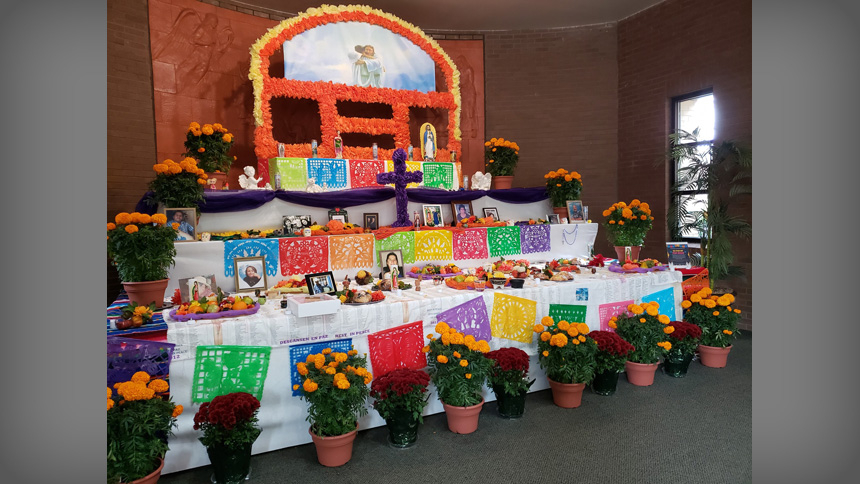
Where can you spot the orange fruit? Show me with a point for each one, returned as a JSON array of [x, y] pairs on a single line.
[[240, 305]]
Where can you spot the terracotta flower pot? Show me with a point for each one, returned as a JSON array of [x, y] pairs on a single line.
[[502, 182], [566, 395], [560, 211], [151, 478], [640, 374], [146, 292], [634, 252], [463, 420], [334, 451], [714, 356]]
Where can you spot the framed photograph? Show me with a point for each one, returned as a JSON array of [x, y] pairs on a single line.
[[462, 209], [433, 215], [321, 283], [338, 214], [371, 221], [250, 273], [492, 212], [194, 288], [574, 211], [295, 223], [388, 258], [553, 218], [186, 218]]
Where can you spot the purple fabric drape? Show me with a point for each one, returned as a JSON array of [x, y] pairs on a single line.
[[240, 200]]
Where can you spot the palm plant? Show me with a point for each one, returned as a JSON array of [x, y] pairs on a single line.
[[723, 172]]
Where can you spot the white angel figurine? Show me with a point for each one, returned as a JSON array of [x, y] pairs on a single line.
[[481, 181], [249, 182], [313, 187]]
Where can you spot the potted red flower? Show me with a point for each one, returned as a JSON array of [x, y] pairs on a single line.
[[229, 425], [509, 379], [400, 397], [685, 339], [611, 355]]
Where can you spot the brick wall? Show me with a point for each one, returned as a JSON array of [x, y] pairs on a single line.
[[555, 93], [674, 48], [130, 119]]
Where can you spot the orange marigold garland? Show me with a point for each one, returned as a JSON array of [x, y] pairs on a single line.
[[327, 93]]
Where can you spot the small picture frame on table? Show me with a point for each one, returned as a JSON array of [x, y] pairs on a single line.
[[295, 223], [371, 221], [321, 283], [433, 215], [390, 257], [194, 288], [250, 273], [461, 209], [575, 213], [553, 218], [338, 214], [186, 218], [492, 212]]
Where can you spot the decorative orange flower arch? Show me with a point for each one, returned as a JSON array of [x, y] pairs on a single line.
[[326, 94]]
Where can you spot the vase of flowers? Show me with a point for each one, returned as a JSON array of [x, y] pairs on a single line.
[[501, 157], [509, 379], [400, 397], [209, 145], [134, 316], [611, 355], [719, 323], [229, 425], [626, 226], [140, 420], [177, 184], [561, 186], [336, 388], [684, 338], [141, 248], [567, 354], [458, 368], [647, 330]]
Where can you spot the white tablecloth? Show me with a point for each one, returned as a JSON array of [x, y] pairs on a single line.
[[282, 416]]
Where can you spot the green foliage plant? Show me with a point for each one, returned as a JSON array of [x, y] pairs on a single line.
[[141, 246], [566, 352], [501, 156], [209, 144], [458, 366]]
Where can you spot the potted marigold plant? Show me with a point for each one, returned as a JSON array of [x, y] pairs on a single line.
[[647, 330], [142, 249], [611, 355], [509, 378], [400, 397], [336, 388], [561, 186], [685, 339], [501, 157], [139, 421], [209, 144], [177, 184], [567, 355], [458, 368], [626, 226], [719, 323], [229, 425]]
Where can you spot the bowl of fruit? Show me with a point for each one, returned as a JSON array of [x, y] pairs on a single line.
[[645, 265], [215, 307], [292, 285], [360, 297], [430, 270]]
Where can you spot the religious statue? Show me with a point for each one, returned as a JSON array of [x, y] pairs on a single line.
[[313, 187], [248, 181], [480, 181], [428, 142]]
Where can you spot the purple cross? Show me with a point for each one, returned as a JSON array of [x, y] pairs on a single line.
[[400, 177]]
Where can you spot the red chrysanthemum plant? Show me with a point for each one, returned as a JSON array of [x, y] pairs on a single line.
[[510, 371], [684, 337], [229, 420], [402, 389], [612, 351]]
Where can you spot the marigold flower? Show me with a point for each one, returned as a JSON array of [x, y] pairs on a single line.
[[545, 336], [468, 376], [457, 339], [573, 332], [686, 304], [295, 387], [464, 363], [547, 321], [144, 218], [727, 331], [483, 346], [158, 385], [442, 327], [177, 410], [738, 311], [716, 313], [637, 310], [445, 339], [457, 354], [140, 377], [310, 386], [545, 353], [695, 298], [641, 320], [425, 349], [669, 329], [331, 371], [620, 222], [612, 325], [537, 328], [664, 319], [159, 218], [352, 352], [207, 130], [327, 351], [110, 404], [194, 125], [442, 359], [123, 218], [710, 304], [111, 226], [109, 392]]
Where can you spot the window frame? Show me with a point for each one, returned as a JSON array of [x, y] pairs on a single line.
[[673, 175]]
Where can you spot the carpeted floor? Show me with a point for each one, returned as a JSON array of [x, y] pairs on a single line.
[[696, 429]]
